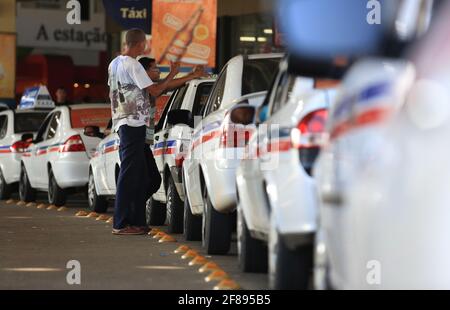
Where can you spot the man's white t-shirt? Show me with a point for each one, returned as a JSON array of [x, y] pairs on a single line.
[[130, 101]]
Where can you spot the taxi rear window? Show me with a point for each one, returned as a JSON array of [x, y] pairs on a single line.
[[81, 118], [28, 122]]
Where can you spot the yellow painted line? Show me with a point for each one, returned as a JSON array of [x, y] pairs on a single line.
[[198, 260], [181, 249], [227, 284], [52, 207], [167, 238], [31, 204], [217, 275], [62, 209], [21, 203], [102, 217], [110, 220], [81, 213], [189, 254], [209, 267], [10, 201], [42, 206]]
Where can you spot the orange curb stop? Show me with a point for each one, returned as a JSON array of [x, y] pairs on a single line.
[[31, 204], [189, 254], [81, 213], [42, 206], [181, 249], [209, 267], [167, 238], [21, 203], [10, 201], [52, 207], [154, 231], [198, 260], [92, 215], [216, 275], [102, 217], [227, 284], [159, 235], [62, 209]]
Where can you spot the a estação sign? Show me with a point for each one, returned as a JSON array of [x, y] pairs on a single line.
[[49, 28], [185, 31], [130, 13]]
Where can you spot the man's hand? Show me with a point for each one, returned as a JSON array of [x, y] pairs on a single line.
[[174, 68], [199, 71]]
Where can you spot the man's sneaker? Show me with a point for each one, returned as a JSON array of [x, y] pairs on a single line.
[[128, 231]]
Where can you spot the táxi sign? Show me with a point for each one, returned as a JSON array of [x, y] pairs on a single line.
[[48, 28], [130, 13]]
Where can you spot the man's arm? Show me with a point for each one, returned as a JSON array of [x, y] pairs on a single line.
[[197, 73], [157, 89]]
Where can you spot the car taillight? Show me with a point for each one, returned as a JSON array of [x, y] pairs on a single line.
[[309, 136], [235, 135], [19, 147], [73, 144]]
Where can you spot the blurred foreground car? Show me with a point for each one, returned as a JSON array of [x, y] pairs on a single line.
[[17, 129], [277, 198], [57, 161], [388, 227], [214, 154]]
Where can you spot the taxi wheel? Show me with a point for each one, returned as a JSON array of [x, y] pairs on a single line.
[[192, 223], [96, 203], [252, 253], [5, 189], [289, 269], [216, 229], [56, 195], [26, 192], [174, 209], [155, 213]]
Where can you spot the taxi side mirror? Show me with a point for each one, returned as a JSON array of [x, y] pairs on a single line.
[[176, 117], [243, 114], [93, 131]]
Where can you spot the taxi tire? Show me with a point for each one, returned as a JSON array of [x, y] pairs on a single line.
[[26, 192], [56, 195], [174, 210], [192, 223], [5, 189], [292, 269], [155, 213], [252, 253], [100, 203], [216, 228]]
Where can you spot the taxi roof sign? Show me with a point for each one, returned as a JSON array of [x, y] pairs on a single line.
[[37, 97]]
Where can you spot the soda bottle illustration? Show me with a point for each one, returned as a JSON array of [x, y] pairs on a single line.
[[182, 39]]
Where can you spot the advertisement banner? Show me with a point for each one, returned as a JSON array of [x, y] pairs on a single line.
[[185, 31], [7, 65]]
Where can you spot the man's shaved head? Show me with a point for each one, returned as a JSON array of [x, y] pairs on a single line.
[[134, 36]]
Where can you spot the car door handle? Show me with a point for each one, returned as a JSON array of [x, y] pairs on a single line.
[[166, 135]]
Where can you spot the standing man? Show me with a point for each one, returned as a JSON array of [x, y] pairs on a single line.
[[130, 91], [61, 97]]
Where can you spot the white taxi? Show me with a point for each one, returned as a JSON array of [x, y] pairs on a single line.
[[57, 161], [277, 197], [214, 154], [17, 129], [172, 137]]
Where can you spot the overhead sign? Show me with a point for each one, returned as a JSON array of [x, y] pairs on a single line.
[[130, 13], [7, 65], [185, 30], [49, 28], [37, 97]]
